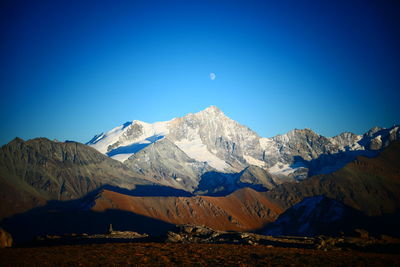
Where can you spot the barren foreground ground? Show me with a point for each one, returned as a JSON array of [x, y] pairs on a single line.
[[159, 254]]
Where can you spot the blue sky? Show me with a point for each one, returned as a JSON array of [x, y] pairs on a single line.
[[72, 69]]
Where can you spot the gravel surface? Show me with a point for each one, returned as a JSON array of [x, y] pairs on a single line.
[[159, 254]]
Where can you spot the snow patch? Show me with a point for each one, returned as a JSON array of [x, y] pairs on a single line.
[[252, 161], [198, 151], [267, 143], [151, 132], [282, 169], [356, 145], [378, 138], [107, 139], [122, 157]]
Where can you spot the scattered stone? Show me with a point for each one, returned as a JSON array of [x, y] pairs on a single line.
[[193, 234], [124, 234], [362, 233], [320, 242], [6, 239], [201, 234], [389, 239]]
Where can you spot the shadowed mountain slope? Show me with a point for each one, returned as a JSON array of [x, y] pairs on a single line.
[[243, 210], [38, 170], [220, 184], [370, 185], [317, 215]]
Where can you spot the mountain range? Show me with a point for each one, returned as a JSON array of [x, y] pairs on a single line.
[[204, 152], [203, 168]]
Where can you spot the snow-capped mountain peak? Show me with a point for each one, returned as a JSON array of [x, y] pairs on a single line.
[[209, 139], [206, 136], [125, 140]]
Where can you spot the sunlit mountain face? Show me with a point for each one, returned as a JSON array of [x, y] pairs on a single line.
[[208, 149]]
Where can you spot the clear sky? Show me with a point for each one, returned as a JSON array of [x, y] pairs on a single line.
[[72, 69]]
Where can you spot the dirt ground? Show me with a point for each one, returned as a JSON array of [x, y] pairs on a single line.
[[159, 254]]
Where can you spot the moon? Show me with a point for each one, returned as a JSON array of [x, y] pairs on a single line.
[[212, 76]]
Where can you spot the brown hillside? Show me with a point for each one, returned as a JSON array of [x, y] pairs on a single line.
[[245, 209], [371, 185]]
